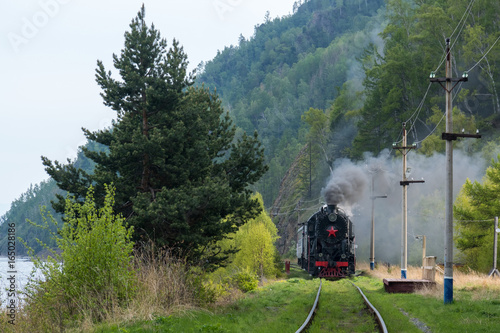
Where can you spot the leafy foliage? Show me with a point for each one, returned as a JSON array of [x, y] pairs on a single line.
[[478, 202], [257, 255], [289, 65], [92, 270], [415, 34], [181, 171]]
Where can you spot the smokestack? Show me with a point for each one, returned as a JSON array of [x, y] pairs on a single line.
[[331, 208]]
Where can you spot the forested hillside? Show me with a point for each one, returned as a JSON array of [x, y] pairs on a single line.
[[289, 65], [28, 207], [316, 100]]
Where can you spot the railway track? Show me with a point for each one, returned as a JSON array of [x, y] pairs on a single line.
[[351, 309]]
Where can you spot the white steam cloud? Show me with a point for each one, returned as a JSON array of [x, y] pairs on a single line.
[[350, 186]]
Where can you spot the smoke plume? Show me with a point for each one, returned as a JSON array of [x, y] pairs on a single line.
[[346, 185], [350, 186]]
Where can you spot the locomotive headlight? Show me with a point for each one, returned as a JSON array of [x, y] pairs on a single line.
[[320, 255], [332, 217]]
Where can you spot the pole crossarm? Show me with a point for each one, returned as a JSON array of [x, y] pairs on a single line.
[[455, 136], [440, 80], [378, 197], [408, 182], [404, 149]]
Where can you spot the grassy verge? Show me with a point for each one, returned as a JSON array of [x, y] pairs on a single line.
[[475, 307], [281, 306]]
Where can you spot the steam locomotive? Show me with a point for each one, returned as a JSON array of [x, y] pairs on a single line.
[[325, 246]]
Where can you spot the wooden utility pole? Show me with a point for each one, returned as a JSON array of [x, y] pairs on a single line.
[[449, 137], [372, 243], [310, 169], [423, 238], [404, 149], [494, 270]]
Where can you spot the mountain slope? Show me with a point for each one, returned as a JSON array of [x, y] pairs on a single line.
[[289, 65]]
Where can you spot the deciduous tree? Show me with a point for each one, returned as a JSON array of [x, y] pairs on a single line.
[[478, 202]]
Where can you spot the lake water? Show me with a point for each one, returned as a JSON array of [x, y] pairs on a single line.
[[20, 270]]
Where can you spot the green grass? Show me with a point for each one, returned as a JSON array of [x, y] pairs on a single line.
[[341, 309], [283, 306], [466, 314], [279, 307]]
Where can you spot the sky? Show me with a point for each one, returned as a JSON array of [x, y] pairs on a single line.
[[48, 55]]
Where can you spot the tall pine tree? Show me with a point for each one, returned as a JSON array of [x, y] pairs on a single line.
[[180, 171]]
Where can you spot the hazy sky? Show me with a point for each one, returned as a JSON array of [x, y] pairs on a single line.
[[49, 50]]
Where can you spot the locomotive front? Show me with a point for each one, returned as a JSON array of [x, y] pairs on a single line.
[[325, 246]]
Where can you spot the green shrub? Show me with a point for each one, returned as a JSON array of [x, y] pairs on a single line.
[[91, 273], [245, 280], [204, 292]]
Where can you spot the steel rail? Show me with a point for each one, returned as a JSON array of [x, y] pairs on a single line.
[[312, 310], [378, 317]]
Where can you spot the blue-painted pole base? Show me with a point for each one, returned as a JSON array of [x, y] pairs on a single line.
[[448, 290], [372, 265], [403, 273]]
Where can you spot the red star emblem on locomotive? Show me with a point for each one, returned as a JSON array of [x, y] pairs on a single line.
[[332, 232]]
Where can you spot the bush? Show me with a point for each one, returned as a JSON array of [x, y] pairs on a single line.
[[93, 272], [245, 280]]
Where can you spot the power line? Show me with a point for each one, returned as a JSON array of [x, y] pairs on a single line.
[[484, 55], [468, 221], [294, 205], [435, 128], [419, 107], [316, 199], [471, 3], [313, 207], [281, 207]]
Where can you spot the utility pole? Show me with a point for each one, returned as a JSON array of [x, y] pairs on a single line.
[[372, 243], [310, 169], [404, 149], [449, 137], [494, 271], [423, 247]]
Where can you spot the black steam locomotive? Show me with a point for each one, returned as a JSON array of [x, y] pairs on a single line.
[[325, 246]]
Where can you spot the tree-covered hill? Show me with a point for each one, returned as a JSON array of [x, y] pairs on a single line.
[[28, 207], [338, 78], [289, 65]]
